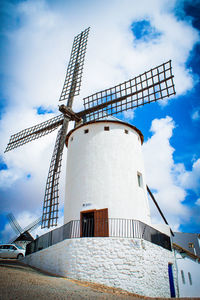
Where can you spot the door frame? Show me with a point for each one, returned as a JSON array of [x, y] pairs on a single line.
[[81, 218]]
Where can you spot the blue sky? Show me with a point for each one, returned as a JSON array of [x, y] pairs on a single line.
[[126, 39]]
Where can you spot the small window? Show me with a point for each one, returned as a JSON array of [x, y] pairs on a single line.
[[182, 276], [71, 139], [86, 131], [191, 245], [139, 177], [106, 128], [190, 278], [126, 131]]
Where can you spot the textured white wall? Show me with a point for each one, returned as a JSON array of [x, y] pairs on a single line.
[[134, 265], [187, 264], [102, 171]]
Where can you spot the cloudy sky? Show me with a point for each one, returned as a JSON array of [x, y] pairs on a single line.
[[126, 38]]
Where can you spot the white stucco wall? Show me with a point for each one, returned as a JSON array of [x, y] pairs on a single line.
[[187, 264], [134, 265], [164, 228], [102, 171]]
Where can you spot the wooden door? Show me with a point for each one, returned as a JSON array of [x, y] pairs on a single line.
[[101, 223]]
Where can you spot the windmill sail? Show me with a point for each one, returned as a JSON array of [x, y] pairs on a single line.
[[75, 68], [32, 133], [51, 198], [148, 87], [33, 225], [13, 222]]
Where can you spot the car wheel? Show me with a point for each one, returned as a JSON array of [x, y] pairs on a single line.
[[19, 256]]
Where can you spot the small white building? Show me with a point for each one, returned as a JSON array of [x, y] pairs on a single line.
[[188, 263]]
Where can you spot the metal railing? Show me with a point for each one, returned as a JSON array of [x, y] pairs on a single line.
[[122, 228]]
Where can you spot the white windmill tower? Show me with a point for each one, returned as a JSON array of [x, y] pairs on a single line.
[[106, 191], [105, 173]]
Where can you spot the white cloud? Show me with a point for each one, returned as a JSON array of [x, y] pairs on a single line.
[[159, 163], [35, 66], [198, 202], [129, 115], [8, 177], [189, 179], [169, 180], [196, 115]]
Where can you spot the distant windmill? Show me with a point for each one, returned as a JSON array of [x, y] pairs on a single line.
[[23, 234], [148, 87]]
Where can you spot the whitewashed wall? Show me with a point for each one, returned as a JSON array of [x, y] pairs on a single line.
[[187, 264], [102, 171], [134, 265]]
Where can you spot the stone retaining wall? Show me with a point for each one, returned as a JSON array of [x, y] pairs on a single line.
[[134, 265]]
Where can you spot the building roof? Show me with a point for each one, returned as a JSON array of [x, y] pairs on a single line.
[[25, 236], [182, 250], [106, 120], [188, 241]]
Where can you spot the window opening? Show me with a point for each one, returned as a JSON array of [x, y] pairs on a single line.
[[106, 128], [86, 131], [190, 278], [126, 131], [71, 139], [191, 245], [139, 177], [182, 276]]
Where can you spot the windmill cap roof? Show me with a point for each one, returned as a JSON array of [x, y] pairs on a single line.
[[105, 121]]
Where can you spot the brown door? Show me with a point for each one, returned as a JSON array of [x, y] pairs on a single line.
[[101, 222], [94, 223]]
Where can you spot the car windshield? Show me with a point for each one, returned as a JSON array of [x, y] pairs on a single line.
[[18, 246]]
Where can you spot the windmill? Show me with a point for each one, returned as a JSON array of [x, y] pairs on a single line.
[[148, 87], [23, 234]]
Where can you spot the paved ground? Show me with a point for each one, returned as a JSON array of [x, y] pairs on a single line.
[[18, 281]]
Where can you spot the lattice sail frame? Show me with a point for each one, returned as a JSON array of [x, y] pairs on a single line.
[[75, 67], [34, 132], [148, 87], [33, 225], [51, 198], [14, 224]]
